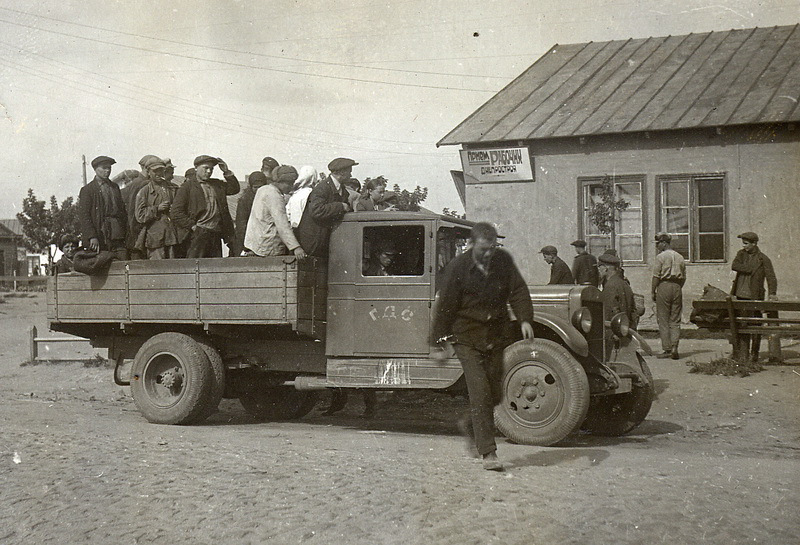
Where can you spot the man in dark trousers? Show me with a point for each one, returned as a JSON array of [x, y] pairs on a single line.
[[472, 314], [559, 271], [752, 267], [201, 207], [584, 267], [327, 203], [101, 211]]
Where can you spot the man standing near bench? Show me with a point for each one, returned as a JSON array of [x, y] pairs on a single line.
[[752, 267]]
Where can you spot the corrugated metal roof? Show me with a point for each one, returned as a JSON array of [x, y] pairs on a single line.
[[713, 79], [12, 225]]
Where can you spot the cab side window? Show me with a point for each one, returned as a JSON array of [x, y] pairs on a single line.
[[393, 251]]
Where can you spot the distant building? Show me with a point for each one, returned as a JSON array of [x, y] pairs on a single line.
[[698, 133], [14, 256]]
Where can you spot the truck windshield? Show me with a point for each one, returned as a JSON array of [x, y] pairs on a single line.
[[450, 243]]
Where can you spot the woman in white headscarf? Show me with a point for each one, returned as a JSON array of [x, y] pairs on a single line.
[[306, 180]]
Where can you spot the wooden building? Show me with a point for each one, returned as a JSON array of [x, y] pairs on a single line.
[[9, 244], [697, 134]]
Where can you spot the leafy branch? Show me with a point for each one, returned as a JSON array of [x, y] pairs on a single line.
[[603, 214]]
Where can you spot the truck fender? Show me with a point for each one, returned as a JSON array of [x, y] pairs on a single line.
[[642, 343], [570, 336]]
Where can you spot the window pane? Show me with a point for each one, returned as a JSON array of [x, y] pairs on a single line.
[[676, 193], [631, 193], [680, 244], [630, 249], [630, 222], [709, 192], [592, 195], [711, 220], [393, 251], [597, 245], [711, 247], [677, 220]]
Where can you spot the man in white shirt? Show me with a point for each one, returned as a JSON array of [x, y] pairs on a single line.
[[268, 229]]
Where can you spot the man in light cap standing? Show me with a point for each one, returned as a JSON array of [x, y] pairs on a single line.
[[268, 229], [101, 212], [559, 271], [327, 203], [159, 237], [129, 194], [752, 268], [669, 276], [201, 207]]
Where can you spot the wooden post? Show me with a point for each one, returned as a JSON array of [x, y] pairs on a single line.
[[34, 348], [734, 329], [14, 274], [83, 160]]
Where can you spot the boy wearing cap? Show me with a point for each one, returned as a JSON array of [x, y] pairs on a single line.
[[669, 276], [584, 267], [159, 237], [559, 271], [101, 211], [268, 229], [327, 203], [752, 267], [382, 260], [201, 207]]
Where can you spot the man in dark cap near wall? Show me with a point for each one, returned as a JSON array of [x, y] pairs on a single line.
[[559, 271], [101, 212], [327, 203], [669, 276], [201, 207], [752, 268], [584, 267]]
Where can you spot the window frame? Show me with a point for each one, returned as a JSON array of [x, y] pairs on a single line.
[[694, 211], [614, 237]]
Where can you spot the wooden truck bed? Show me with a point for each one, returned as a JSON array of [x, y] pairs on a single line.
[[255, 290]]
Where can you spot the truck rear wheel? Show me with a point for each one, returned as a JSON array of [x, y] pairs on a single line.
[[545, 393], [278, 403], [218, 374], [613, 415], [172, 379]]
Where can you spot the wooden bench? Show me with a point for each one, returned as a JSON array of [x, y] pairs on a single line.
[[764, 319]]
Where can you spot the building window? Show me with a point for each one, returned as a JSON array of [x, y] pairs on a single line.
[[626, 231], [692, 209]]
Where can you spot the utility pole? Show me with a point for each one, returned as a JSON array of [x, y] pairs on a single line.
[[83, 158]]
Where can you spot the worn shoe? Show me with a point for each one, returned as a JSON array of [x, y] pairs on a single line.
[[675, 355], [491, 463], [664, 355]]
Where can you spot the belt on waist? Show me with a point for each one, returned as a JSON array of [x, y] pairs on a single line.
[[673, 280]]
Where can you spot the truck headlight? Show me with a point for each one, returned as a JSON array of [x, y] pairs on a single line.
[[582, 319], [620, 325]]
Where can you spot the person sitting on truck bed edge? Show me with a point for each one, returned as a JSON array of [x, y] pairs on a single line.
[[326, 205], [268, 229], [201, 207], [101, 212], [68, 246], [472, 313]]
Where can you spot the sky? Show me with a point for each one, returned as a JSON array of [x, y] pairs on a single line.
[[380, 81]]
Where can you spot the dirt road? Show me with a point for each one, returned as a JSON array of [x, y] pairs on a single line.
[[715, 462]]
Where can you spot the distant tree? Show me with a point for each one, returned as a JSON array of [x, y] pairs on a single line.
[[408, 201], [453, 213], [42, 227]]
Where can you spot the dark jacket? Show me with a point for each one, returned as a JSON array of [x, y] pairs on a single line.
[[91, 212], [584, 269], [560, 273], [190, 203], [243, 208], [618, 297], [474, 307], [759, 268], [323, 210], [129, 194]]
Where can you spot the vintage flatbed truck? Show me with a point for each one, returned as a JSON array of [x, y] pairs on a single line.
[[273, 331]]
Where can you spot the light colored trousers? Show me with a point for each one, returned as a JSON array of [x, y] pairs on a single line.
[[669, 307]]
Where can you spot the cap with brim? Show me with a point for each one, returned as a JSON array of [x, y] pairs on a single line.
[[748, 236], [102, 160], [549, 250], [663, 237], [608, 259], [269, 162], [284, 173], [154, 162], [579, 243], [257, 178], [143, 160], [341, 163], [205, 159]]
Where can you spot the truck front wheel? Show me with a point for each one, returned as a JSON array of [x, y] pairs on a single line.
[[171, 379], [614, 415], [545, 393]]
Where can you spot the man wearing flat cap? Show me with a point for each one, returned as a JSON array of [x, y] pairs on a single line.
[[617, 295], [327, 203], [101, 212], [752, 268], [559, 270], [129, 194], [584, 267], [159, 236], [669, 276], [268, 229], [201, 207], [268, 164]]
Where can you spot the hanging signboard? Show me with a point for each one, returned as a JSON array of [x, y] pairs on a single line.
[[496, 165]]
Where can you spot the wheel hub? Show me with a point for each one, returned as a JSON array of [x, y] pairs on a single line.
[[170, 379], [535, 397]]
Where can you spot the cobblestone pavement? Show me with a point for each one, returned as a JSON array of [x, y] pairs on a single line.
[[715, 462]]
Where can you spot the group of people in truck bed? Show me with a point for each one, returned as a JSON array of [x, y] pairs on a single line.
[[145, 214]]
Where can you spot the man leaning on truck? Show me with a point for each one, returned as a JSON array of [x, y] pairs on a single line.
[[201, 207], [472, 313]]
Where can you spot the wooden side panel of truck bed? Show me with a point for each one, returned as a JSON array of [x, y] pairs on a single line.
[[274, 290]]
